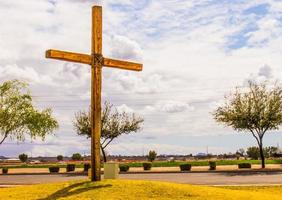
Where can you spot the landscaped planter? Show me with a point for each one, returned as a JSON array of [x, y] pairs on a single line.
[[54, 169], [123, 168], [185, 167], [212, 165], [70, 167], [147, 166], [4, 170], [244, 165]]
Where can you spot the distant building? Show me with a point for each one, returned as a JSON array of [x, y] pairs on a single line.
[[11, 160], [201, 154]]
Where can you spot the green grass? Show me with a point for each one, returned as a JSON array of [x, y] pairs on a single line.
[[39, 166], [131, 190], [204, 163], [157, 163]]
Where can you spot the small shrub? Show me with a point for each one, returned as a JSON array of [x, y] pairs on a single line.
[[70, 167], [123, 168], [54, 169], [212, 165], [5, 170], [185, 167], [244, 165], [76, 156], [147, 166]]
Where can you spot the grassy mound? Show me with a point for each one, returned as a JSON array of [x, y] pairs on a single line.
[[125, 189]]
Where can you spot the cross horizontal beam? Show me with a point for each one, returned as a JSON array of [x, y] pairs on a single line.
[[87, 59], [108, 62], [69, 56]]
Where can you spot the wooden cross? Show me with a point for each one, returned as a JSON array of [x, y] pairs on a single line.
[[96, 60]]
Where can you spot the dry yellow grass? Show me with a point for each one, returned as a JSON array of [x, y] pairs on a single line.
[[125, 189]]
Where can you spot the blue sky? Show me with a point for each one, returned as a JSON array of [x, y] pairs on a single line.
[[194, 52]]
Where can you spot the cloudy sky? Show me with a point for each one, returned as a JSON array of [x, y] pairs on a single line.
[[194, 52]]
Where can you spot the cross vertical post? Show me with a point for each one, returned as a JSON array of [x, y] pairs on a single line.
[[96, 61], [96, 84]]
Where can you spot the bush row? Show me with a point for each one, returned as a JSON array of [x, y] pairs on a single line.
[[183, 167], [146, 166], [69, 168]]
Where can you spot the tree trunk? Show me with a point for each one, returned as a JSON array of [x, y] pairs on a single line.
[[261, 155], [5, 136], [104, 154]]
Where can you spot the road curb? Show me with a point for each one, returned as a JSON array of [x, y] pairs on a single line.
[[210, 171], [241, 171]]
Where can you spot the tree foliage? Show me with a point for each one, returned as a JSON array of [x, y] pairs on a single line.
[[19, 117], [152, 155], [113, 124], [76, 156], [270, 151], [256, 110], [240, 152], [60, 158], [253, 152], [23, 157]]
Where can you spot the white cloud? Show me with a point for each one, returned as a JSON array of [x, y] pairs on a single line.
[[188, 62], [124, 108], [123, 48], [264, 74], [267, 28], [28, 74], [170, 107], [265, 71]]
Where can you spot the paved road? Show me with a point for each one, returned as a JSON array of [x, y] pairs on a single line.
[[189, 178], [213, 178]]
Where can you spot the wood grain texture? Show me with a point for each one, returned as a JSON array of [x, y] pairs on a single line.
[[96, 84], [96, 47], [68, 56], [108, 62]]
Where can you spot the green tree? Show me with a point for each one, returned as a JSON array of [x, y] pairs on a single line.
[[23, 157], [270, 151], [253, 153], [151, 156], [256, 110], [240, 152], [19, 117], [60, 157], [114, 124], [76, 156]]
